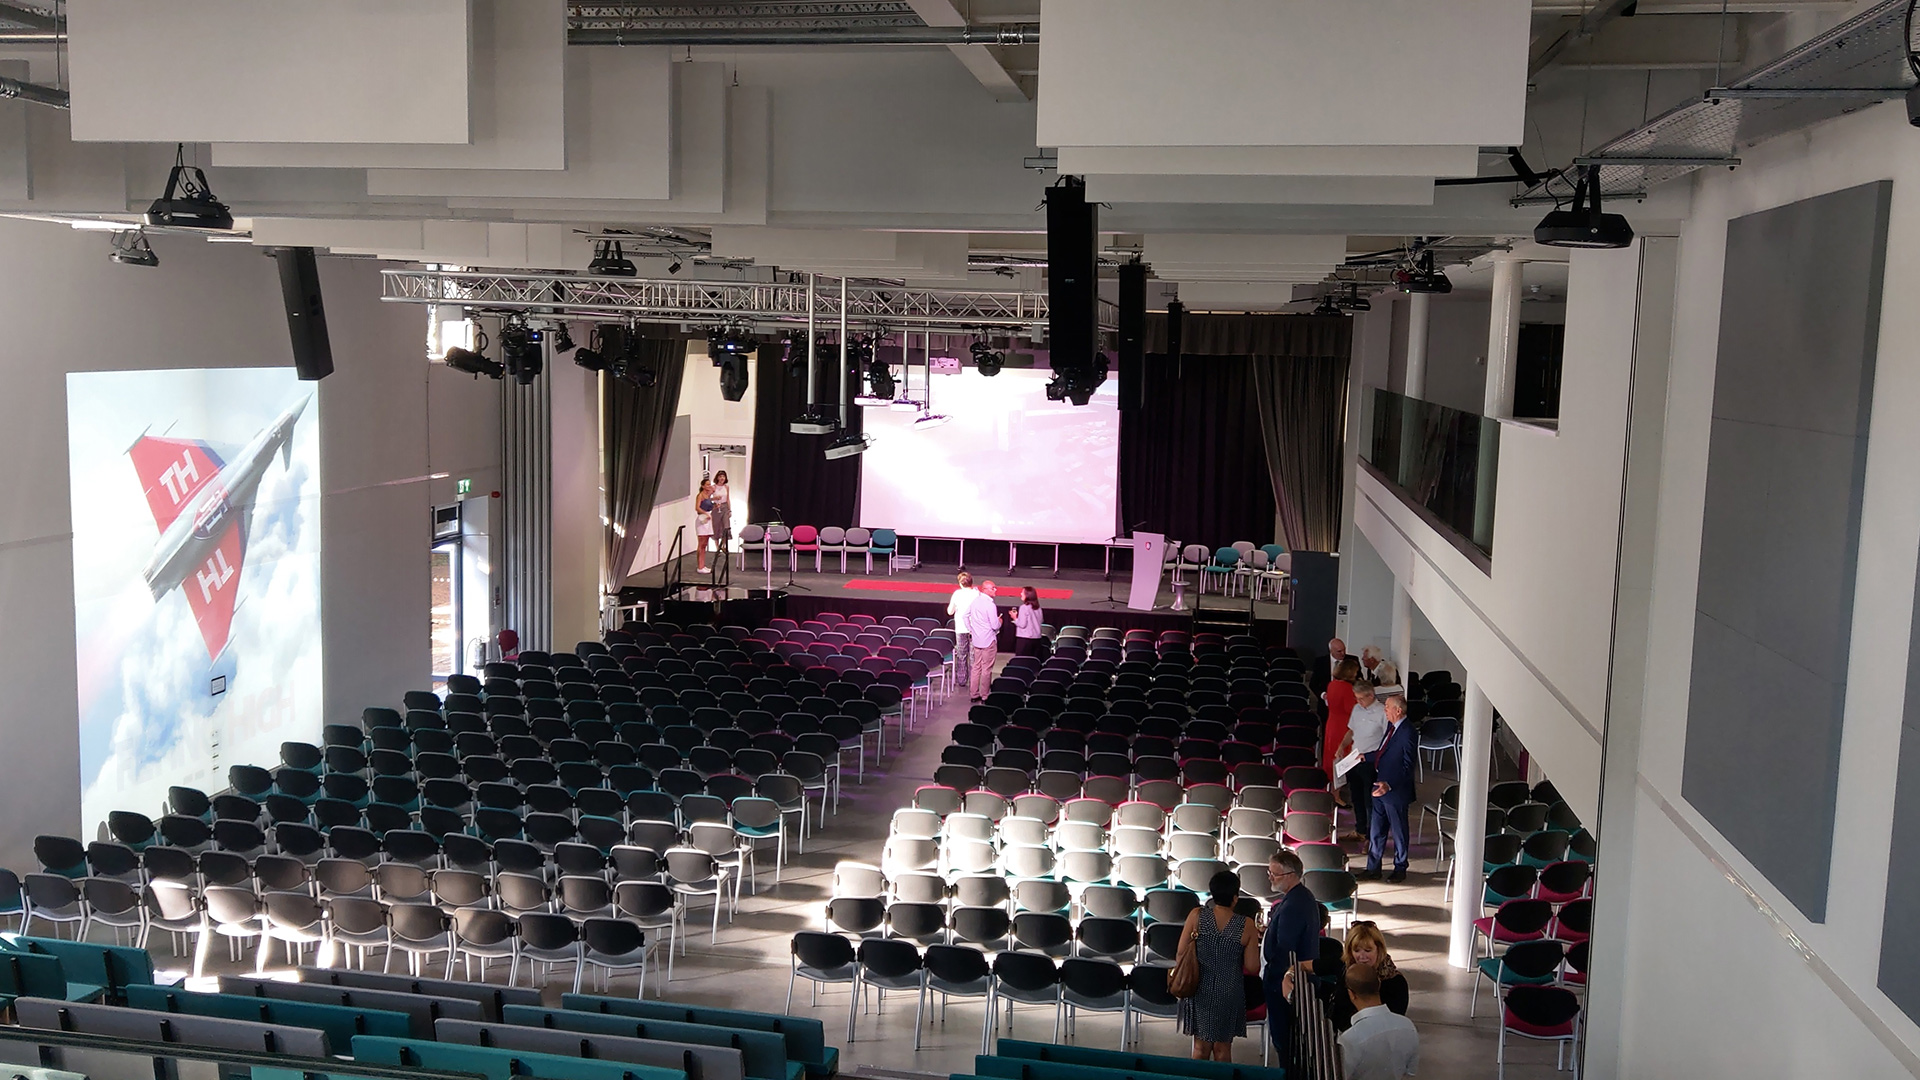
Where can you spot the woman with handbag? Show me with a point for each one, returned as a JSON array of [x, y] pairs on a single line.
[[1218, 948]]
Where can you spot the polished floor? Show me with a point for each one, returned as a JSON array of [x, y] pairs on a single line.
[[748, 966]]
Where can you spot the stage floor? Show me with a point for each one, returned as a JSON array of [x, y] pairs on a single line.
[[1080, 591]]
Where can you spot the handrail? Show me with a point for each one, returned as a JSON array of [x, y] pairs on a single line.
[[46, 1037], [672, 574]]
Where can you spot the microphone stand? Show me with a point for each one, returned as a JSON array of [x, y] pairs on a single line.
[[793, 560]]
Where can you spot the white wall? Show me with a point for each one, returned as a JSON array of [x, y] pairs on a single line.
[[387, 422], [714, 419], [1535, 631], [1812, 1009], [579, 538]]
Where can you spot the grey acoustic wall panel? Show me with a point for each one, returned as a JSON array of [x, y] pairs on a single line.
[[1900, 929], [1786, 462], [676, 476]]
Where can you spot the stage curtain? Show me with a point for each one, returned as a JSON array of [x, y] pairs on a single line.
[[1192, 464], [1252, 417], [637, 423], [1302, 402], [791, 481]]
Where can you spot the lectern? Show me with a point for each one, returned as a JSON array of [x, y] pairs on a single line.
[[1149, 551]]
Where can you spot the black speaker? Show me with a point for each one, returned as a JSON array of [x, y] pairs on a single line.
[[1073, 264], [1313, 606], [1133, 311], [752, 613], [1176, 328], [306, 318]]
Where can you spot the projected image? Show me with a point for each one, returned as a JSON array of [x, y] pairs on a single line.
[[196, 569], [1009, 464]]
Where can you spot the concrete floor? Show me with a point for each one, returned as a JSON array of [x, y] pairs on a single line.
[[748, 967]]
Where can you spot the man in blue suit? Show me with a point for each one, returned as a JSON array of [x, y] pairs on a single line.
[[1293, 937], [1393, 792]]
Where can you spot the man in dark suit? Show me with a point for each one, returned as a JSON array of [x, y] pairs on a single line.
[[1293, 937], [1393, 792], [1323, 667]]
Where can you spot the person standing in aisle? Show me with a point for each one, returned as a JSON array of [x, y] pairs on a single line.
[[1366, 729], [983, 624], [957, 607], [1393, 766], [1028, 639]]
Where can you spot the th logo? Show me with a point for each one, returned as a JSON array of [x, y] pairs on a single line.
[[214, 577]]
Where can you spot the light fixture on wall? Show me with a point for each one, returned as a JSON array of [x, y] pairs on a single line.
[[188, 202], [132, 249], [1584, 226]]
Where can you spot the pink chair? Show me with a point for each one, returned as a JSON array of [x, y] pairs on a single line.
[[865, 620]]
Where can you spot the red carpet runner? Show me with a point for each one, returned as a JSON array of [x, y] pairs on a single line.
[[944, 587]]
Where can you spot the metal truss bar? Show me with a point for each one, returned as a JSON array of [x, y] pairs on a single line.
[[852, 35], [1628, 159], [1848, 93], [713, 301]]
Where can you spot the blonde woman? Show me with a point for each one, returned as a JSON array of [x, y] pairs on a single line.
[[1366, 946], [703, 523]]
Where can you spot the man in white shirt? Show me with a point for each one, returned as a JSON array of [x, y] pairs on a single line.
[[1366, 726], [957, 607], [983, 628], [1380, 1045]]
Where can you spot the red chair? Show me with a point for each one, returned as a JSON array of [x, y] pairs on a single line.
[[1572, 923], [806, 541], [1564, 882], [1513, 922]]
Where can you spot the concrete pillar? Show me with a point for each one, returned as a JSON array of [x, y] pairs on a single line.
[[1418, 307], [1503, 334], [1470, 827], [1401, 643]]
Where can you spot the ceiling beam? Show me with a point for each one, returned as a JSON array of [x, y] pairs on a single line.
[[979, 60]]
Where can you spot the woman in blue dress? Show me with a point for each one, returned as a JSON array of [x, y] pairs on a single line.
[[1227, 946]]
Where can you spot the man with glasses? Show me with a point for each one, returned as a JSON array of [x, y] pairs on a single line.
[[1293, 937]]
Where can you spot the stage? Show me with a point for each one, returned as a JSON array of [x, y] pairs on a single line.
[[1074, 597]]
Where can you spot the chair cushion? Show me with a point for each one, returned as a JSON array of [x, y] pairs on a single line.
[[1555, 1031]]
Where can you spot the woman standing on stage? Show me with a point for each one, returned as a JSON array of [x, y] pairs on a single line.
[[1028, 639], [703, 507], [722, 516]]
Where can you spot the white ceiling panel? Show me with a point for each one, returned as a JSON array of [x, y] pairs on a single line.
[[1296, 190], [619, 132], [518, 102], [361, 71], [1424, 161]]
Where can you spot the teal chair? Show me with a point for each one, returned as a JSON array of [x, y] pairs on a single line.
[[884, 544], [1225, 564]]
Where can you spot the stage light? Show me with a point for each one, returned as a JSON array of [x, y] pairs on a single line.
[[520, 351], [1584, 226], [1077, 382], [188, 202], [468, 362], [880, 379], [985, 360], [848, 444], [727, 341], [1326, 306], [674, 268], [610, 261], [1421, 277], [733, 377], [562, 341], [1353, 301], [132, 249], [633, 365], [930, 420]]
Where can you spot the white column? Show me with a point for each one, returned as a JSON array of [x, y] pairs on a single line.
[[1503, 334], [1470, 828], [1402, 629], [1418, 307]]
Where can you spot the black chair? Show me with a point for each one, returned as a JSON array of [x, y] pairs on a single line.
[[1043, 932], [1095, 986], [822, 958], [883, 964], [957, 971], [1108, 938], [1024, 978]]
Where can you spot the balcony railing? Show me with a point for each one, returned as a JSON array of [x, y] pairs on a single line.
[[1441, 460]]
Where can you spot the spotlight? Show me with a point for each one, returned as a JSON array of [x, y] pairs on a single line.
[[930, 420], [1584, 226], [674, 268], [132, 249], [1353, 301], [610, 261], [1077, 382], [469, 362], [985, 360], [633, 365], [562, 341], [723, 342], [589, 357], [880, 379], [188, 202], [520, 349], [813, 422], [847, 444], [1422, 277], [1327, 306]]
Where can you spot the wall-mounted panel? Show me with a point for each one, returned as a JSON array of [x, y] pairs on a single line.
[[208, 71], [1786, 467]]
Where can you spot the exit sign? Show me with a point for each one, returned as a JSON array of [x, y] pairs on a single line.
[[462, 486]]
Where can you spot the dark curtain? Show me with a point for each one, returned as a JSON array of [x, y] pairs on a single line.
[[1254, 398], [638, 423], [1302, 402], [791, 481], [1192, 464]]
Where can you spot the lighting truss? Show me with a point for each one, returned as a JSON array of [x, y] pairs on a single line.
[[674, 300]]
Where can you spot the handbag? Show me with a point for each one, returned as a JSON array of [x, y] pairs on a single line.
[[1185, 980]]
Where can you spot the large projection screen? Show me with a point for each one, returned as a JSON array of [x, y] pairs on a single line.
[[1009, 464], [196, 558]]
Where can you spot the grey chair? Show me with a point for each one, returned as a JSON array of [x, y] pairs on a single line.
[[610, 945], [55, 899], [649, 905], [953, 971], [546, 941], [1095, 986], [484, 934], [883, 964], [823, 959], [172, 907], [1024, 978], [695, 873]]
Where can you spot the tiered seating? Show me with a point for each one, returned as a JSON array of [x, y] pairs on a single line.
[[1020, 1060], [455, 1028], [560, 809]]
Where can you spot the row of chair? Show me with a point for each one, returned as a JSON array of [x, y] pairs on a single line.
[[801, 540]]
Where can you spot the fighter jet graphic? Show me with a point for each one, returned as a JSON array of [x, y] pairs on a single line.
[[203, 507]]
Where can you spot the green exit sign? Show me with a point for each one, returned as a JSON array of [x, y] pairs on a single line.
[[462, 486]]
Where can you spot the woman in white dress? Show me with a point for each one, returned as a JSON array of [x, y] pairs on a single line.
[[703, 524]]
